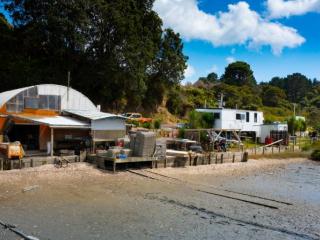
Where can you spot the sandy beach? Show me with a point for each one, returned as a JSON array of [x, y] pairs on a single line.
[[260, 199]]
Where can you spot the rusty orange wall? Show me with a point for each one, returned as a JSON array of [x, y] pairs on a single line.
[[44, 136], [41, 112], [2, 119], [3, 109]]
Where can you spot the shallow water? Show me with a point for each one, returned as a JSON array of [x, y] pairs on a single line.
[[128, 206]]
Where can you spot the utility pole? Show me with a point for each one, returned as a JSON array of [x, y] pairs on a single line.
[[221, 101], [68, 89], [293, 122]]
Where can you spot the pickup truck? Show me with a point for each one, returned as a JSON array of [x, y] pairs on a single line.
[[137, 117]]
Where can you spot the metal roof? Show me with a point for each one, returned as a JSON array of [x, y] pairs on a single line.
[[76, 99], [53, 121], [6, 96], [93, 115], [226, 109]]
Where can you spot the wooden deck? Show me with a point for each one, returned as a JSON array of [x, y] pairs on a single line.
[[114, 161]]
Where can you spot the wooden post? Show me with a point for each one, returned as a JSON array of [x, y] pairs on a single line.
[[93, 142], [233, 158], [221, 158], [245, 157], [165, 162], [216, 158], [52, 142], [1, 164], [20, 163], [114, 166], [279, 148], [31, 162], [209, 159], [263, 151]]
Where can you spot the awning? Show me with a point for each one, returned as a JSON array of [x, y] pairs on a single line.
[[53, 121], [92, 115]]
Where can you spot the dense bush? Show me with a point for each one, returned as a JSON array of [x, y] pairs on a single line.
[[316, 155], [146, 125], [157, 123]]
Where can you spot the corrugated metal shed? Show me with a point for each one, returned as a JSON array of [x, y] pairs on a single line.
[[6, 96], [76, 100], [93, 115], [53, 121]]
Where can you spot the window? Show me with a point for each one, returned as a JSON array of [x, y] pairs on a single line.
[[31, 102], [248, 116], [216, 115], [50, 102], [255, 117], [240, 116]]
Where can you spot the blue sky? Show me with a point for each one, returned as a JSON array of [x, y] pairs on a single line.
[[299, 49], [276, 37]]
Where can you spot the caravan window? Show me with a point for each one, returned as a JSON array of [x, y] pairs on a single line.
[[216, 115], [240, 116], [255, 117], [248, 116]]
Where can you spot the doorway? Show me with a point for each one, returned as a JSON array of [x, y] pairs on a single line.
[[27, 135]]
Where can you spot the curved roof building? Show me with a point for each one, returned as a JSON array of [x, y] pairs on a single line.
[[57, 114], [45, 96]]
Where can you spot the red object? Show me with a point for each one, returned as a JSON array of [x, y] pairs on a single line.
[[120, 143], [268, 140]]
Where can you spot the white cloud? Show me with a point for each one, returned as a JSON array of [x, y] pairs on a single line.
[[284, 8], [239, 25], [189, 72], [230, 60], [214, 69]]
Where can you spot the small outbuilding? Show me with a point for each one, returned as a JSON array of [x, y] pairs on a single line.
[[275, 132], [49, 117]]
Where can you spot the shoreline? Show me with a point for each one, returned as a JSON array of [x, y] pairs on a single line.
[[79, 171]]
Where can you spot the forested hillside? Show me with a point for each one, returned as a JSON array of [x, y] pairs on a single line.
[[119, 54], [241, 90]]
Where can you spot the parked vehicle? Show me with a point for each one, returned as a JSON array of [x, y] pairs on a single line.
[[137, 117], [196, 148]]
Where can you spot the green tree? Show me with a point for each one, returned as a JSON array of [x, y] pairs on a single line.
[[272, 96], [212, 77], [296, 125], [239, 74], [167, 69], [296, 86], [116, 51]]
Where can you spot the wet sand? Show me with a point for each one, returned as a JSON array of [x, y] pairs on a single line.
[[262, 199]]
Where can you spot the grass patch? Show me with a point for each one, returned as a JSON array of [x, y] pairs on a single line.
[[284, 155]]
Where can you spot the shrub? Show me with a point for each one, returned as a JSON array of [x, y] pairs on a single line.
[[181, 133], [316, 155], [146, 125], [157, 123]]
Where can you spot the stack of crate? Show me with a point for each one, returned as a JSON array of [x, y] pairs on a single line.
[[144, 145]]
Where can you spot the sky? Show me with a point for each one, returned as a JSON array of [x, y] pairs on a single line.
[[276, 37]]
